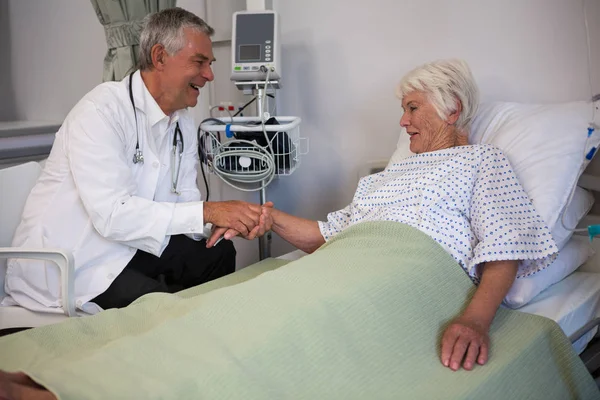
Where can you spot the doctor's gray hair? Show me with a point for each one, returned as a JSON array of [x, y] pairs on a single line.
[[445, 82], [166, 28]]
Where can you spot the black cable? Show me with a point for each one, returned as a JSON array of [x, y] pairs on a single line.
[[244, 107], [203, 158], [248, 103], [205, 181]]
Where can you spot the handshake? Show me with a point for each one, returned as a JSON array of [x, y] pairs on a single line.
[[233, 218]]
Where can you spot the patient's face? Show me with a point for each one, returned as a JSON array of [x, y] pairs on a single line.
[[427, 131]]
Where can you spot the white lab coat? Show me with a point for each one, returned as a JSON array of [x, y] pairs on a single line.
[[92, 200]]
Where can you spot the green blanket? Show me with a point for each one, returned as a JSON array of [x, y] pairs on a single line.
[[361, 318]]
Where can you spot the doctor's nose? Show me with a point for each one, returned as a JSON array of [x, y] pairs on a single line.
[[209, 74]]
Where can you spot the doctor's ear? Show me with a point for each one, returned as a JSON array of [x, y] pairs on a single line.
[[159, 55], [454, 115]]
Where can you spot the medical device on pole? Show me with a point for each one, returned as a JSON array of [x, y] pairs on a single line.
[[248, 152]]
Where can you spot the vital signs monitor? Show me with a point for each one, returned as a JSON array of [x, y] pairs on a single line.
[[255, 47]]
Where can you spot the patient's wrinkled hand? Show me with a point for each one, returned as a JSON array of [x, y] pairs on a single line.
[[264, 225], [465, 339]]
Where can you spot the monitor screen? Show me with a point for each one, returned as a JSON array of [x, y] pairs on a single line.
[[250, 52]]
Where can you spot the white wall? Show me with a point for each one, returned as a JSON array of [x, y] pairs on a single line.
[[592, 9], [58, 48], [57, 52], [342, 59]]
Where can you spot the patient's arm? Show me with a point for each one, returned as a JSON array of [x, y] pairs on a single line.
[[302, 233], [468, 334]]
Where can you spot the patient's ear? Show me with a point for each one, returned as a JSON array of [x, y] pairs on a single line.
[[454, 115]]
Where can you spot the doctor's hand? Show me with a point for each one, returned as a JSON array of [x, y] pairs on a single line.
[[264, 225], [238, 215], [465, 339]]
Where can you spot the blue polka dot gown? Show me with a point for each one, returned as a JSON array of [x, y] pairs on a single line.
[[466, 198]]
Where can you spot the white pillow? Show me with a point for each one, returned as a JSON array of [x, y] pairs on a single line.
[[580, 205], [402, 150], [545, 145], [574, 254]]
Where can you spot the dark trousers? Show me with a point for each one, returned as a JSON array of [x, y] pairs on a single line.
[[183, 264]]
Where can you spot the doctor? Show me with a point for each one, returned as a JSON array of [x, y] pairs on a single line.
[[119, 187]]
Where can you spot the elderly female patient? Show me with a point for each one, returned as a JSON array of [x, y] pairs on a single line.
[[465, 197]]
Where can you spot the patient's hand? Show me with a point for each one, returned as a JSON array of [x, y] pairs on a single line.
[[468, 339], [264, 225]]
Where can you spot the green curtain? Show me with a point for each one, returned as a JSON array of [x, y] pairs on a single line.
[[122, 21]]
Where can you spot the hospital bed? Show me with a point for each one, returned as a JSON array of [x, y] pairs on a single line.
[[578, 297], [324, 327], [574, 303]]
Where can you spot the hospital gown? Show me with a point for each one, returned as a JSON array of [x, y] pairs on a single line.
[[466, 198]]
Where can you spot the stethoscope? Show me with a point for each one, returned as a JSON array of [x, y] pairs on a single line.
[[176, 154]]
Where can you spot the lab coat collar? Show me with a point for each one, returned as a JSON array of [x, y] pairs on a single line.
[[147, 104]]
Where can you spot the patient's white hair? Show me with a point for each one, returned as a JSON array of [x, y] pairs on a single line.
[[445, 81]]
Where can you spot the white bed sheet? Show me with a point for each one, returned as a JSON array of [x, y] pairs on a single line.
[[571, 303]]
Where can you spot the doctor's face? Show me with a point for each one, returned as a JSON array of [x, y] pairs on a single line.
[[189, 69]]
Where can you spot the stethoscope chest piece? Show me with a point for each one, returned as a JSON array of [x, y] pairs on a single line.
[[138, 157]]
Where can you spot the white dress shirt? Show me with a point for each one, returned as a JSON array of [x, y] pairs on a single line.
[[94, 201]]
